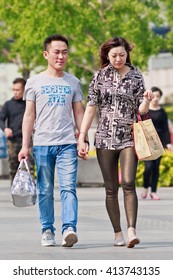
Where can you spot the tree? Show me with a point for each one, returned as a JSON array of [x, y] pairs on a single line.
[[167, 7], [87, 24]]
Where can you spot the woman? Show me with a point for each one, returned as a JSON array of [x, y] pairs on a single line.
[[160, 121], [119, 92]]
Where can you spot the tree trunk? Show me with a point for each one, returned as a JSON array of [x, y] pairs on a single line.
[[25, 73]]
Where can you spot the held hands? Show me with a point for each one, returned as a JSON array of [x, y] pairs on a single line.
[[83, 148]]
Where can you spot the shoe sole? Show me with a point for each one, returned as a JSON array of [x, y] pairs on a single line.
[[154, 198], [133, 242], [48, 244], [122, 243], [119, 245], [70, 240]]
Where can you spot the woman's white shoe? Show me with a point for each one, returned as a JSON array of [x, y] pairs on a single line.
[[132, 238], [119, 239], [119, 242]]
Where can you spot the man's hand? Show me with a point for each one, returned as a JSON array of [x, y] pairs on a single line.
[[23, 154]]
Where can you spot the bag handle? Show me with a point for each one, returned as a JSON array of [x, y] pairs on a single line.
[[23, 161], [139, 117]]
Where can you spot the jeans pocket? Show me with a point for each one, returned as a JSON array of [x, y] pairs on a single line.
[[40, 154]]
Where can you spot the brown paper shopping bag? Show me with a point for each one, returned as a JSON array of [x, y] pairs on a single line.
[[146, 140]]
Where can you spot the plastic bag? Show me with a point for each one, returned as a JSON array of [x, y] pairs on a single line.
[[23, 189]]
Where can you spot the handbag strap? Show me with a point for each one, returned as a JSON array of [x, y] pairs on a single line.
[[23, 161], [143, 117], [139, 117]]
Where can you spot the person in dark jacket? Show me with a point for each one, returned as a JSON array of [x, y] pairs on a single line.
[[160, 121], [11, 117]]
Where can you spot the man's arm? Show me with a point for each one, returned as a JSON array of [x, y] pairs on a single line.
[[78, 112], [3, 116], [84, 127], [27, 129]]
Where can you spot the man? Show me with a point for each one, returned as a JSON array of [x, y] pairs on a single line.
[[11, 117], [51, 97]]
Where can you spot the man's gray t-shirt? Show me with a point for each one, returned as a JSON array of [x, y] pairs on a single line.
[[53, 97]]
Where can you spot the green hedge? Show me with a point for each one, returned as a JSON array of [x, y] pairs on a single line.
[[166, 171], [169, 110]]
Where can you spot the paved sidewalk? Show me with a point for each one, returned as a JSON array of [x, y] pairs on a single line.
[[20, 229]]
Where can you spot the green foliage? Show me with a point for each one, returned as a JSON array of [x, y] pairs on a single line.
[[87, 24], [167, 8], [169, 111], [166, 171], [139, 174]]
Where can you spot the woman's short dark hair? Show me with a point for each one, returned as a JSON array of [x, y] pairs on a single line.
[[110, 44], [54, 37], [153, 89]]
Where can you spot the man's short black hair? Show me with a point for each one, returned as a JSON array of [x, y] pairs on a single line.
[[19, 80], [54, 37]]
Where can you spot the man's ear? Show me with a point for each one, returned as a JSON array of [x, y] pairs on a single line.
[[45, 54]]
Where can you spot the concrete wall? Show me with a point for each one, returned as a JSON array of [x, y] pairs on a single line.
[[89, 174], [4, 168], [8, 72], [160, 72]]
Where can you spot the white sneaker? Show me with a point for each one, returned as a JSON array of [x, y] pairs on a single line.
[[69, 237], [48, 238]]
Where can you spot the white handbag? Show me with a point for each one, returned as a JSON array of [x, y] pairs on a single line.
[[23, 189]]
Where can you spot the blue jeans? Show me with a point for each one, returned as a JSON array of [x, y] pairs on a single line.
[[64, 158]]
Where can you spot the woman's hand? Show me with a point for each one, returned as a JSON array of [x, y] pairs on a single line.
[[170, 147], [148, 95], [144, 106]]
